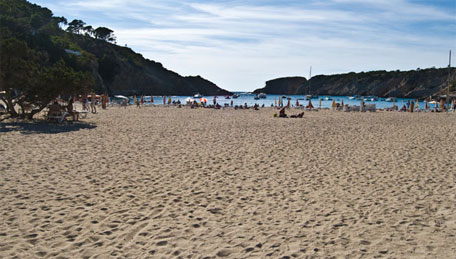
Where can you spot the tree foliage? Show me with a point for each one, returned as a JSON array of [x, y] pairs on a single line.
[[76, 26], [34, 68], [103, 33]]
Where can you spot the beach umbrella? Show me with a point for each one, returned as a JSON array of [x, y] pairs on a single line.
[[288, 103], [169, 99], [275, 101], [310, 106], [342, 104], [151, 99], [425, 105], [320, 103], [297, 102], [203, 100], [333, 105], [142, 99]]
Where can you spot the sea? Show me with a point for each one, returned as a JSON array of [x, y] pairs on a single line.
[[323, 101]]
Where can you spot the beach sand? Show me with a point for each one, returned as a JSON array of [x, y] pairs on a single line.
[[202, 183]]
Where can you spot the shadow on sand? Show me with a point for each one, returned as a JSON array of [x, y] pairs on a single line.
[[43, 127]]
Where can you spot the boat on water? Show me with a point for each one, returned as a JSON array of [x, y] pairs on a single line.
[[328, 98], [353, 97], [198, 95], [370, 98], [260, 96], [390, 99], [234, 96]]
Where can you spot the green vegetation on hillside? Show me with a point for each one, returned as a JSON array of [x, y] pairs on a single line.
[[40, 61]]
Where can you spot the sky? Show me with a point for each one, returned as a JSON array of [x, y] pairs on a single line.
[[239, 45]]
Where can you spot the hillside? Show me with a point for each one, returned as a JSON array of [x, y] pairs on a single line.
[[125, 72], [115, 69], [412, 84]]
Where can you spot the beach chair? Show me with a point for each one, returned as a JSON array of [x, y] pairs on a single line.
[[370, 107], [82, 114], [59, 117]]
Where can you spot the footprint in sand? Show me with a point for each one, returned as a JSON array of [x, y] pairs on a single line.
[[162, 243]]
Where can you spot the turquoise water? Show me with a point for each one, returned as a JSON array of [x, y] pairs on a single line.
[[272, 99]]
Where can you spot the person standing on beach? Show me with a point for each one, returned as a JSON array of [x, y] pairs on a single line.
[[72, 111], [93, 106], [104, 101]]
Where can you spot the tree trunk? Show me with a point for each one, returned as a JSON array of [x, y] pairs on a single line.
[[10, 106]]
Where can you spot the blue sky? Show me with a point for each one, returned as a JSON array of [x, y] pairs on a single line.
[[239, 45]]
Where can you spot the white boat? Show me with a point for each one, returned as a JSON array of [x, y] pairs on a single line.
[[198, 95], [235, 96], [261, 96], [371, 98]]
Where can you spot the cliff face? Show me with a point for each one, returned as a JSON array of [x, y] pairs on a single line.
[[126, 72], [282, 85], [412, 84]]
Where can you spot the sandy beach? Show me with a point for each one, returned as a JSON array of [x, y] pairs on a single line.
[[161, 182]]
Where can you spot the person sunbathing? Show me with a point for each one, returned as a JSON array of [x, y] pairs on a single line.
[[299, 115]]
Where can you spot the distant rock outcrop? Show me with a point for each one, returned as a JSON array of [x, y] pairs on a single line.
[[412, 84], [283, 85]]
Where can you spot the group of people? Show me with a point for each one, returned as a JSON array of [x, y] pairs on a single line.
[[55, 109], [94, 101], [60, 107]]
